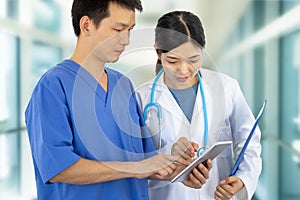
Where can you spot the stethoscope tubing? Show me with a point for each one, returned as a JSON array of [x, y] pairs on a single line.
[[159, 113]]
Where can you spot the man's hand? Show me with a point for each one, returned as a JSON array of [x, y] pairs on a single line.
[[160, 167], [228, 187]]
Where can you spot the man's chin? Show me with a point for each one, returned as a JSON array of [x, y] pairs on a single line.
[[115, 59]]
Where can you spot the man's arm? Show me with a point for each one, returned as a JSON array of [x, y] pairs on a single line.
[[88, 171]]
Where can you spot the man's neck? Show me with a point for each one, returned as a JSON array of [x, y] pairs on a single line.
[[89, 63]]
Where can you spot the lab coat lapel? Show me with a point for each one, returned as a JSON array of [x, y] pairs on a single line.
[[215, 98], [197, 122]]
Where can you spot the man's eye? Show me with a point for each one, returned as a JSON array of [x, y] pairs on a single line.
[[172, 62], [118, 30]]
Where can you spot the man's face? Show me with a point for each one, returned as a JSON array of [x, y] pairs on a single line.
[[112, 35]]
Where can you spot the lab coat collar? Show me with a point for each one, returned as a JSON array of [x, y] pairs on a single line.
[[164, 97]]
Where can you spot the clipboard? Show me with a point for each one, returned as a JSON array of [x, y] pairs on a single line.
[[239, 159], [211, 153]]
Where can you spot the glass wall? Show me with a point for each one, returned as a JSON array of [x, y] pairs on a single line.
[[48, 56], [9, 112], [287, 5], [25, 56], [269, 60], [289, 116], [46, 16]]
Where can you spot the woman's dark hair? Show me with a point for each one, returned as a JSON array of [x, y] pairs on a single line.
[[97, 10], [174, 29]]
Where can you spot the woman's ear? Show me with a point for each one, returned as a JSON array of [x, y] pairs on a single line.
[[85, 25], [157, 52]]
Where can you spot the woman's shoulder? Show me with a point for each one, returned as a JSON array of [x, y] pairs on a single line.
[[144, 86], [211, 75]]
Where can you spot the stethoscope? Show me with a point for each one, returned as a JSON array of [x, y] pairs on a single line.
[[152, 103]]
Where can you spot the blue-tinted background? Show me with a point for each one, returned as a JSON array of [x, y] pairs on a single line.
[[255, 41]]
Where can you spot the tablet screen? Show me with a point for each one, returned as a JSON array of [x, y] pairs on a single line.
[[211, 153]]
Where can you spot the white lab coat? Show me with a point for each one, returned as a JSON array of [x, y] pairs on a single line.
[[229, 118]]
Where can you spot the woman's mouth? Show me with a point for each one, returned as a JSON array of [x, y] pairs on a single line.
[[182, 78]]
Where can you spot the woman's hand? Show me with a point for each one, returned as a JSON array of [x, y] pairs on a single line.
[[228, 187], [187, 149], [184, 148], [199, 175]]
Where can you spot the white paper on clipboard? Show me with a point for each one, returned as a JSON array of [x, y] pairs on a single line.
[[211, 153]]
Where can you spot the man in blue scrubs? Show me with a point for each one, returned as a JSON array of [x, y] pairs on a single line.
[[86, 131]]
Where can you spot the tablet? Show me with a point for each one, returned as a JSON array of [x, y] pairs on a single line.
[[211, 153]]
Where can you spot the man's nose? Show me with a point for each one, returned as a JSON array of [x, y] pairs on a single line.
[[124, 40]]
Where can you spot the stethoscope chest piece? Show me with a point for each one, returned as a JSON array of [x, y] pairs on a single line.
[[201, 150]]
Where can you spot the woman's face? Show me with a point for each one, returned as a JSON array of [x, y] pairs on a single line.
[[181, 64]]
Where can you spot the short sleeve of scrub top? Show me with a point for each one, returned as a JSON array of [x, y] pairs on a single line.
[[48, 128]]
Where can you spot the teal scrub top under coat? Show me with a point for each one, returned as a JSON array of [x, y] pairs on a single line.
[[70, 116]]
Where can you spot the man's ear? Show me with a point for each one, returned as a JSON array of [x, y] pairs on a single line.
[[85, 25]]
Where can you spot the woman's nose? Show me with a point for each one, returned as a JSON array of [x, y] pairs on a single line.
[[184, 67]]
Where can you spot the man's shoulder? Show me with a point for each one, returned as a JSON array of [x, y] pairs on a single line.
[[57, 77], [60, 70], [118, 75]]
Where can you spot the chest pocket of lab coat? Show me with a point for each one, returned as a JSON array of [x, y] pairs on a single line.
[[225, 135], [224, 160]]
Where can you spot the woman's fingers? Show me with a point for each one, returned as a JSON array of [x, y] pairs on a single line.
[[185, 148]]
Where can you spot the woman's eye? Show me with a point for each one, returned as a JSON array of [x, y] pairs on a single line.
[[172, 62], [118, 30]]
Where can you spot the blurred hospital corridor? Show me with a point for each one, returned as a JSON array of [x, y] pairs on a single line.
[[257, 42]]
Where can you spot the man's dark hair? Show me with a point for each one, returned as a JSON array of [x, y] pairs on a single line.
[[97, 10]]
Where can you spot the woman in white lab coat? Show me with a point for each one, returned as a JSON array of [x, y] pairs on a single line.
[[178, 99]]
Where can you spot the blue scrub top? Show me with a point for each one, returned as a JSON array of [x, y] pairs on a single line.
[[70, 116]]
